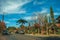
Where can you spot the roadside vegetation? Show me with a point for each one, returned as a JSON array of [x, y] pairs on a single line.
[[44, 24]]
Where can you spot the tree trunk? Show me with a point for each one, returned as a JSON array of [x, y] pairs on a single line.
[[38, 30]]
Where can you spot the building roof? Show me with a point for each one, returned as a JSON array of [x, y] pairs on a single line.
[[58, 25]]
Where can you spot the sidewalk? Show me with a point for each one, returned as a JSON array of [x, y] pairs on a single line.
[[39, 35]]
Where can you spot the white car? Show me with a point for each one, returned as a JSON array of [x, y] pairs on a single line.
[[21, 32]]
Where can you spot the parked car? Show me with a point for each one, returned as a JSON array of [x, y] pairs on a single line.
[[17, 32], [21, 32], [5, 32]]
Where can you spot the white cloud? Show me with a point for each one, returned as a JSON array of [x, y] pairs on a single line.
[[54, 14], [38, 2], [43, 11], [19, 12], [30, 17], [27, 18], [7, 22], [13, 19], [46, 11], [12, 6], [48, 14]]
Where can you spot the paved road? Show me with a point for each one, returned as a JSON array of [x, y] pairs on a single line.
[[25, 37], [17, 37], [48, 38]]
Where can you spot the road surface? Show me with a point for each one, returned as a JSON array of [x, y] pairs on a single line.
[[26, 37], [17, 37]]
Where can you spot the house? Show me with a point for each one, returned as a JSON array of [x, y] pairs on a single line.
[[58, 25], [58, 21]]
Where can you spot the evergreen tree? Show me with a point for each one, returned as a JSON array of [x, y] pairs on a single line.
[[52, 19], [52, 15]]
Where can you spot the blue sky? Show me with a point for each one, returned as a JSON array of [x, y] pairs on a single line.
[[17, 9]]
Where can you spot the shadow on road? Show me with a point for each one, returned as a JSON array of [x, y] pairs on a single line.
[[48, 38]]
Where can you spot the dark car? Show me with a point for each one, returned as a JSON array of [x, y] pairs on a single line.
[[5, 32], [17, 32]]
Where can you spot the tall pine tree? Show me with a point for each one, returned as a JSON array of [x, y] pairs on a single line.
[[52, 15], [52, 19]]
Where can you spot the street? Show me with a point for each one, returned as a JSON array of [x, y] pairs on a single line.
[[17, 37], [26, 37]]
